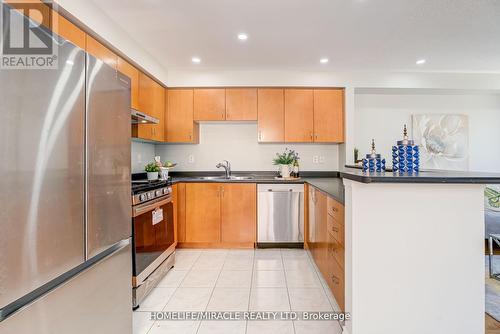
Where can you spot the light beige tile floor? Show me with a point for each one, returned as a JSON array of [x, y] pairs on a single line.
[[239, 280]]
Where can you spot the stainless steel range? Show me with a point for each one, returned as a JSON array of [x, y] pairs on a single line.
[[152, 235]]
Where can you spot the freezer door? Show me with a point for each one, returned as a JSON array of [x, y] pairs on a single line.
[[98, 300], [42, 117], [108, 157]]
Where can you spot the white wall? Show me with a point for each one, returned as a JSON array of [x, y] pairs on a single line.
[[237, 142], [381, 116], [142, 153], [93, 17]]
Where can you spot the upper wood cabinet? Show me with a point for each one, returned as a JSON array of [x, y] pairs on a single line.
[[133, 73], [152, 103], [241, 104], [239, 213], [299, 107], [209, 104], [68, 30], [328, 115], [181, 127], [203, 212], [101, 52], [35, 10], [271, 115]]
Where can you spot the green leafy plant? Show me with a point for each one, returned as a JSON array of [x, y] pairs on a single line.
[[288, 157], [152, 167], [493, 197]]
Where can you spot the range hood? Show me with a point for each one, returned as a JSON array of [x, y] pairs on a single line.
[[141, 118]]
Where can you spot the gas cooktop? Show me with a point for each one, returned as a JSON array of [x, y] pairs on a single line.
[[139, 186]]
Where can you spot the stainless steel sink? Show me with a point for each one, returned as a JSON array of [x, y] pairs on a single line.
[[241, 177], [222, 178]]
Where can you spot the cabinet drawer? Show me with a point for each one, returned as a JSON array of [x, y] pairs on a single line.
[[335, 209], [335, 251], [335, 281], [336, 229]]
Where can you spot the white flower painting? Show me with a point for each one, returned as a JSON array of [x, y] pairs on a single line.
[[443, 141]]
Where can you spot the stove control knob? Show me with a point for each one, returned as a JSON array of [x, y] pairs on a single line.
[[142, 197], [165, 191], [150, 195], [158, 193]]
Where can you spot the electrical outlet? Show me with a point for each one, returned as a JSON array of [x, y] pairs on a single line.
[[315, 159], [191, 159], [321, 159]]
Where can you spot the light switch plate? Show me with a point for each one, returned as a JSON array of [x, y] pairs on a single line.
[[191, 159], [315, 159]]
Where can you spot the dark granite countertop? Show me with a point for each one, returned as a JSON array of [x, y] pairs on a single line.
[[328, 182], [421, 177], [332, 186]]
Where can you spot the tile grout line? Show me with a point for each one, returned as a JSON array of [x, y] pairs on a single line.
[[316, 269], [286, 285], [175, 290], [213, 289], [251, 287]]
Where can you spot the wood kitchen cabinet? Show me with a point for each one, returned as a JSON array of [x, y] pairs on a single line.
[[299, 119], [203, 212], [328, 115], [209, 104], [241, 104], [239, 213], [152, 103], [325, 240], [68, 30], [219, 215], [133, 73], [271, 115], [101, 52], [180, 127]]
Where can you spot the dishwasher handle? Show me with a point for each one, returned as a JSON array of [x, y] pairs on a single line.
[[280, 191]]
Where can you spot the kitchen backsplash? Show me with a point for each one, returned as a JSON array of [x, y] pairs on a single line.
[[142, 153], [237, 142]]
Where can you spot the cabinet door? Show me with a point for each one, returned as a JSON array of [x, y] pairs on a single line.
[[299, 115], [133, 73], [209, 104], [68, 30], [180, 124], [101, 52], [329, 115], [239, 212], [271, 115], [241, 104], [151, 102], [321, 232], [203, 212]]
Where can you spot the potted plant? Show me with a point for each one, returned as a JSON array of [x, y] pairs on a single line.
[[152, 170], [285, 162]]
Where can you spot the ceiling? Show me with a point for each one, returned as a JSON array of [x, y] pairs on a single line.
[[365, 35]]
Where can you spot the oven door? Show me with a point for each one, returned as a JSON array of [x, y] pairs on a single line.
[[153, 236]]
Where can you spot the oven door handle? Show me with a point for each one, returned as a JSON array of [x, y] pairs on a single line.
[[150, 206]]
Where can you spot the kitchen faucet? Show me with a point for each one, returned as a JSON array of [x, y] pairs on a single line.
[[226, 166]]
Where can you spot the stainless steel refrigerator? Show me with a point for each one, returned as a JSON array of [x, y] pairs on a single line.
[[65, 211]]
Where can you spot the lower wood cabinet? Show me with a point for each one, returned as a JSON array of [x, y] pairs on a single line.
[[325, 240], [203, 212], [239, 213], [218, 215]]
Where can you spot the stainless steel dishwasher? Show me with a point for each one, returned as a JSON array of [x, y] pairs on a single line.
[[280, 220]]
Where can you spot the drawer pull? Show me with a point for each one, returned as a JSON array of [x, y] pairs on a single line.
[[335, 229], [335, 279], [335, 209]]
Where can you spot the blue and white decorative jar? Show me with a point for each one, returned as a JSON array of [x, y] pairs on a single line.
[[405, 156], [373, 161]]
